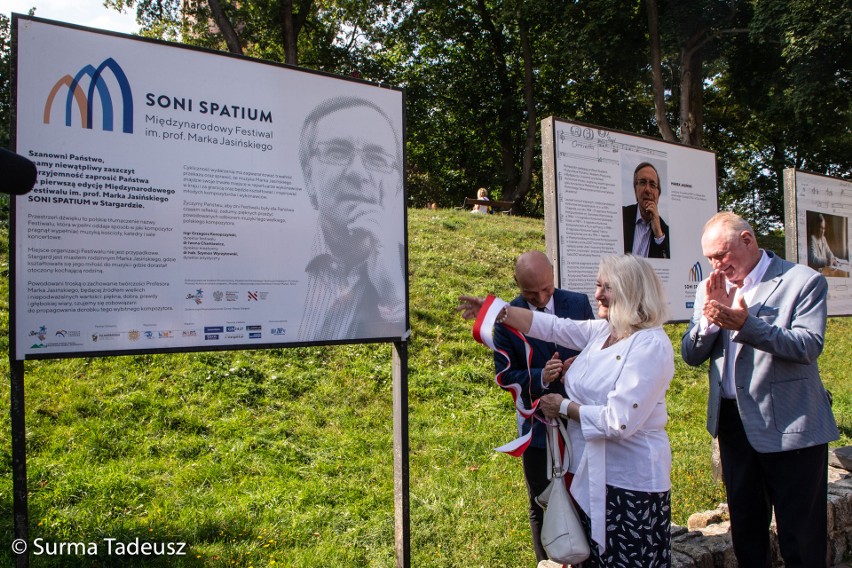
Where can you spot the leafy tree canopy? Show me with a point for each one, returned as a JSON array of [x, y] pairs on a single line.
[[764, 84]]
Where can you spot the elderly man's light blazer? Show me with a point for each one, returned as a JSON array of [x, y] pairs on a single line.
[[782, 401]]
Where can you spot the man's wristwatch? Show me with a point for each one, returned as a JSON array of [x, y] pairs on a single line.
[[563, 407]]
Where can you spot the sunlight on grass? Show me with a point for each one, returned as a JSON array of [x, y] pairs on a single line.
[[284, 457]]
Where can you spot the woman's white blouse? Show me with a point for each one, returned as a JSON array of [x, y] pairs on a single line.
[[621, 438]]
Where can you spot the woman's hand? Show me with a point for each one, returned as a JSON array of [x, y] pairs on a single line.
[[518, 318], [469, 306], [549, 405]]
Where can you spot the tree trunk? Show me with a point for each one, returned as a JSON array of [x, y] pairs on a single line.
[[505, 108], [231, 38], [288, 32], [692, 92], [525, 183], [698, 101], [691, 96], [657, 72]]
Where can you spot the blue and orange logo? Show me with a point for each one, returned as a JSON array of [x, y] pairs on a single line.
[[85, 98], [696, 274]]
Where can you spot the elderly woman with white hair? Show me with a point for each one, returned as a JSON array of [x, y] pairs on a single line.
[[615, 409]]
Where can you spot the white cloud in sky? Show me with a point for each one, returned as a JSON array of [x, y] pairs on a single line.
[[91, 13]]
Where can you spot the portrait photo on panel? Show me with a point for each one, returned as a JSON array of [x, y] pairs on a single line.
[[351, 158], [646, 232], [827, 240]]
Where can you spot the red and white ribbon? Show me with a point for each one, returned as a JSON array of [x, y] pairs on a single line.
[[483, 332]]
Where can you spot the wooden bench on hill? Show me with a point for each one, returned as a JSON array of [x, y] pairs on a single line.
[[501, 206]]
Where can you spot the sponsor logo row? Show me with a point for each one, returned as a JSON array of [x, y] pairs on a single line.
[[43, 338], [199, 296]]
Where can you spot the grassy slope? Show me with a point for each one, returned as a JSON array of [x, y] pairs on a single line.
[[284, 457]]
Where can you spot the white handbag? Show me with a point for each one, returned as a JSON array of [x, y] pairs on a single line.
[[562, 533]]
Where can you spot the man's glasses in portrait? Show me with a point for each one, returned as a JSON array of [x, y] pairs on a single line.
[[642, 182], [342, 154]]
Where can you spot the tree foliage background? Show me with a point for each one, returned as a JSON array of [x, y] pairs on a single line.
[[765, 84]]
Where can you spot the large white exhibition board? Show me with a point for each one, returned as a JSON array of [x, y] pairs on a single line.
[[192, 200], [818, 209], [590, 205]]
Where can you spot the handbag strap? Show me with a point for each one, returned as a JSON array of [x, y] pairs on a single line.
[[556, 466]]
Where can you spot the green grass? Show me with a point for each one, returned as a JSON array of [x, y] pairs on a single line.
[[284, 457]]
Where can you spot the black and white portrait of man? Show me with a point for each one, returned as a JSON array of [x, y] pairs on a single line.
[[350, 153]]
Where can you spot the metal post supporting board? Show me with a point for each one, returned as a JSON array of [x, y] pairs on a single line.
[[402, 513]]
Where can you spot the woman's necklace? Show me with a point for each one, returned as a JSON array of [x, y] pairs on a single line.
[[610, 340]]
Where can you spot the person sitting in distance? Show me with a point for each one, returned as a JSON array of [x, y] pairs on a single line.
[[482, 195]]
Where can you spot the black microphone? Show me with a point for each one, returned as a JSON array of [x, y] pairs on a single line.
[[17, 174]]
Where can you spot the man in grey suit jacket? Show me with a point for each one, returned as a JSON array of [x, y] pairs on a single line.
[[760, 320]]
